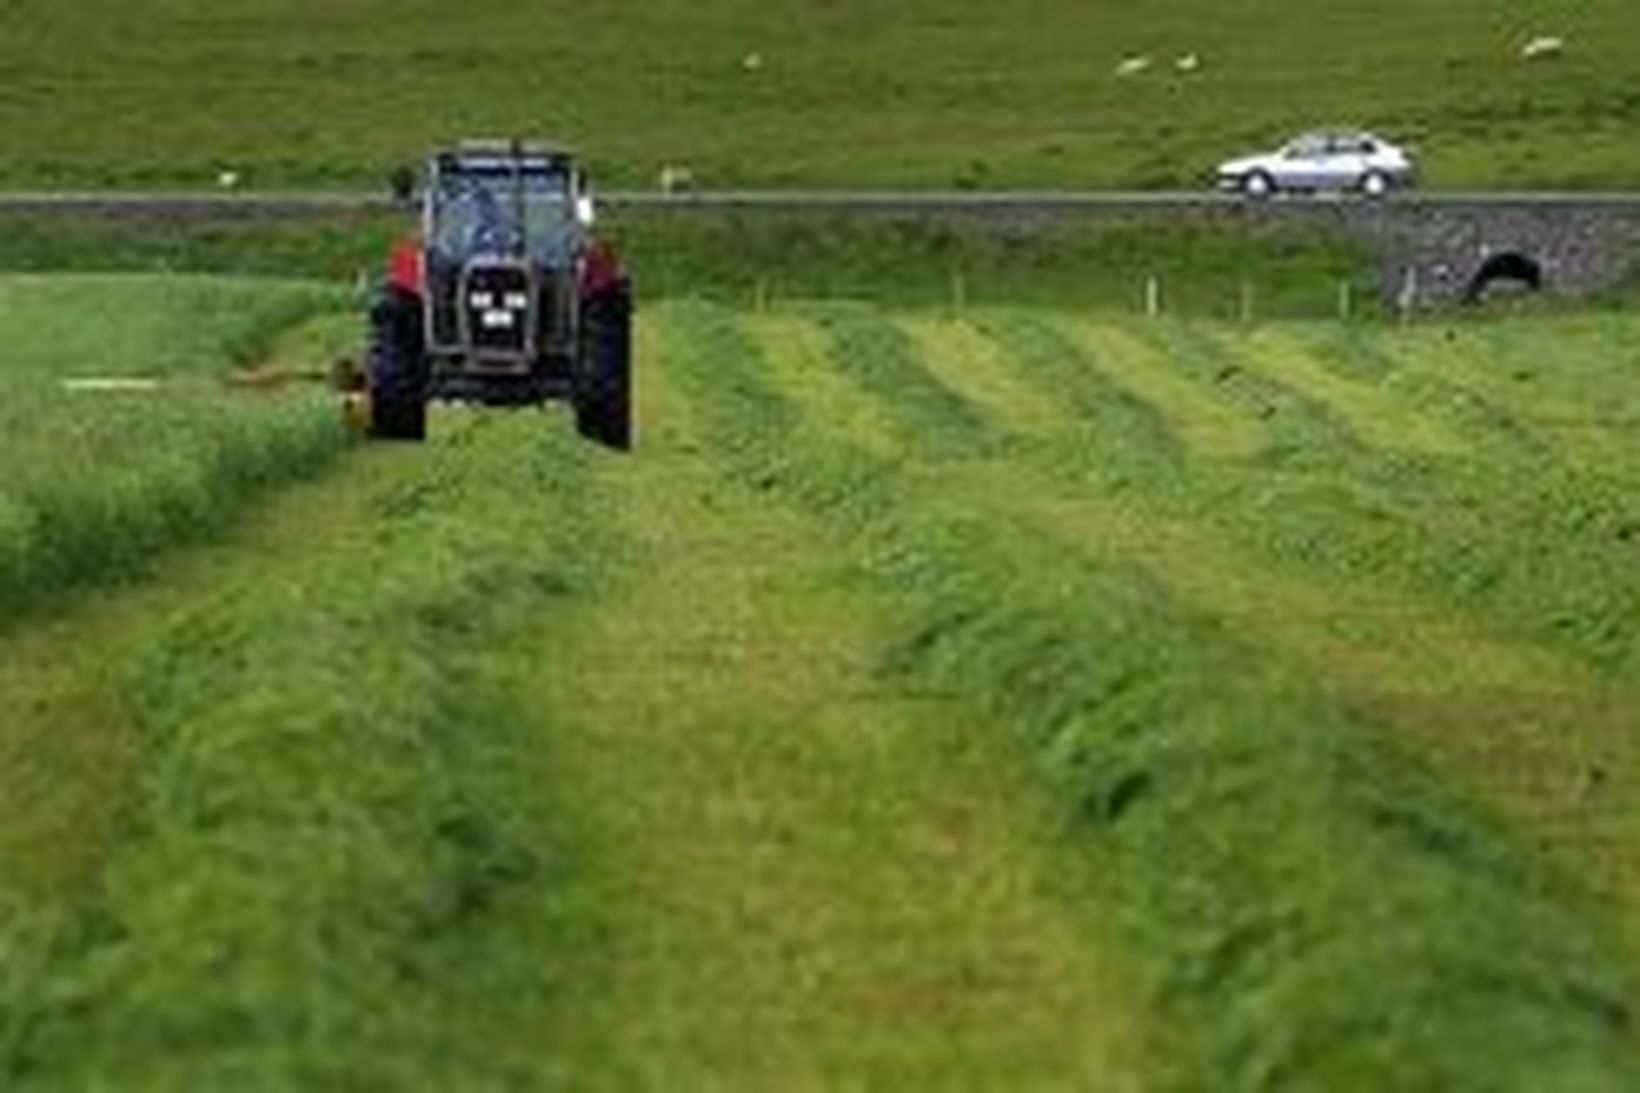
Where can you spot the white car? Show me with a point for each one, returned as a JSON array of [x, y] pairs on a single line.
[[1322, 161]]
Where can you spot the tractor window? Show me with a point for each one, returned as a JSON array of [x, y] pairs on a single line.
[[495, 209]]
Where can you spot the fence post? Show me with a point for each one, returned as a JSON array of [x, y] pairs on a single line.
[[1346, 302], [1153, 296], [1408, 297], [959, 291], [1247, 301]]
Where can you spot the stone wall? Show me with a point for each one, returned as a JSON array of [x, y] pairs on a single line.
[[1431, 252]]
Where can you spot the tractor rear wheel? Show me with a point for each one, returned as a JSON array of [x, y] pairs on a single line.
[[398, 368], [603, 383]]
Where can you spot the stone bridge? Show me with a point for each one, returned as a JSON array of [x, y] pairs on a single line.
[[1434, 252]]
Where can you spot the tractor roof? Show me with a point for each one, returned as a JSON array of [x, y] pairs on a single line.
[[492, 151]]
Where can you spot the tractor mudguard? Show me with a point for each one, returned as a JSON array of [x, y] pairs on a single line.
[[407, 269]]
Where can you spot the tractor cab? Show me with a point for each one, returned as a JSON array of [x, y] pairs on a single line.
[[515, 300]]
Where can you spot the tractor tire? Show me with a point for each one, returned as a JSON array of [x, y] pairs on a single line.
[[603, 382], [398, 368]]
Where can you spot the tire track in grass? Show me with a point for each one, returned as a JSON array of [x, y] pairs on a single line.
[[1312, 909], [788, 876]]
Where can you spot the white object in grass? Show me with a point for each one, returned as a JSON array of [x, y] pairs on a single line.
[[110, 383], [1542, 47]]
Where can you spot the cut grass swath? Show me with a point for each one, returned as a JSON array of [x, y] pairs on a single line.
[[117, 433], [1313, 906]]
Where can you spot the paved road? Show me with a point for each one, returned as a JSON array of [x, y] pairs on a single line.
[[297, 204]]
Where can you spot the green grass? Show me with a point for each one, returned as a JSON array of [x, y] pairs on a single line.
[[324, 821], [1297, 881], [759, 852], [924, 94], [337, 249], [1018, 696], [97, 481]]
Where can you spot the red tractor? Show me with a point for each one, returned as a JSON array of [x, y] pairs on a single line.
[[506, 298]]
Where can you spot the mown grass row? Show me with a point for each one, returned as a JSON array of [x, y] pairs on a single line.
[[1504, 528], [333, 814], [98, 480], [1396, 527], [1312, 908]]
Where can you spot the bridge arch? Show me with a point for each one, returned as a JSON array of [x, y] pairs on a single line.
[[1510, 266]]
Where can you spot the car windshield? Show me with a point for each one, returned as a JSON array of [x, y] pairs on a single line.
[[1307, 146], [501, 207]]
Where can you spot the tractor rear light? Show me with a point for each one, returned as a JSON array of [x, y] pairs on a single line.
[[517, 301], [482, 301], [497, 319]]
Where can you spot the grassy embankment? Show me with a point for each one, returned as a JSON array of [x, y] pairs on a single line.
[[927, 94], [1204, 267]]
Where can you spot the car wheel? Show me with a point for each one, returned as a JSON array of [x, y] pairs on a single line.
[[1375, 184], [1258, 184]]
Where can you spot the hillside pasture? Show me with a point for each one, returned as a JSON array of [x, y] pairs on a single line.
[[924, 93]]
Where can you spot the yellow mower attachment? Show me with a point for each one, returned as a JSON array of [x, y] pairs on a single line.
[[351, 383]]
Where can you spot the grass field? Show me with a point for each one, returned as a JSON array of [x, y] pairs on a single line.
[[1015, 698], [926, 94], [118, 431]]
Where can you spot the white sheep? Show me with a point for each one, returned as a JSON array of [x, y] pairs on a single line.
[[1188, 63], [674, 178], [1132, 66], [1542, 47]]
